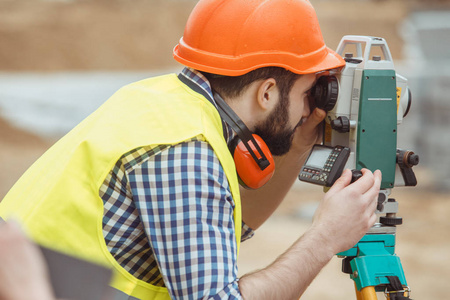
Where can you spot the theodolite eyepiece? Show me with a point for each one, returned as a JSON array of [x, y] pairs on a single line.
[[325, 92]]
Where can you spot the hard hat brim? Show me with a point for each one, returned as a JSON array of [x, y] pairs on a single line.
[[317, 61]]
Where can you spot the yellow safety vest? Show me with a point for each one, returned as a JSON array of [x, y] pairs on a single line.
[[57, 200]]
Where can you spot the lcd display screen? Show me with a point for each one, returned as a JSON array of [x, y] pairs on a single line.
[[318, 157]]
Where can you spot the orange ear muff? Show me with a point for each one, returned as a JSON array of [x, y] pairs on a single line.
[[250, 173], [253, 160]]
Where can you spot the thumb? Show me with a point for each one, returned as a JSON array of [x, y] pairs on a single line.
[[315, 118], [342, 181]]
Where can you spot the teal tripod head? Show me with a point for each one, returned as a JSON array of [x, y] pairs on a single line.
[[365, 101]]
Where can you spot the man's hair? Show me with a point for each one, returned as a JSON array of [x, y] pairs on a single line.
[[233, 86]]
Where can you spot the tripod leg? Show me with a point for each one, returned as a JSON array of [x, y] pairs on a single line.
[[368, 293], [358, 294]]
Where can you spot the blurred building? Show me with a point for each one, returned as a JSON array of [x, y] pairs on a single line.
[[427, 62]]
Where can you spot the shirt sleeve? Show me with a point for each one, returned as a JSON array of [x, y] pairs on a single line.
[[185, 204], [247, 232]]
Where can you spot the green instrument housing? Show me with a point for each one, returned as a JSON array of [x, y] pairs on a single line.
[[377, 124]]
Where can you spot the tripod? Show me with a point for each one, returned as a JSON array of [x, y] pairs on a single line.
[[372, 262]]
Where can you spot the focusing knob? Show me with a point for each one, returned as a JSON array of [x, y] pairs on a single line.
[[325, 92]]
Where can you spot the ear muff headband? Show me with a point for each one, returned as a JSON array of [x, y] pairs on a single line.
[[232, 119], [253, 160], [253, 172]]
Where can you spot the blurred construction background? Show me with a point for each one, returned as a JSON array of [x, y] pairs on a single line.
[[60, 59]]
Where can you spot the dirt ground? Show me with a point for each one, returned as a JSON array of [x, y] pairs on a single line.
[[116, 35]]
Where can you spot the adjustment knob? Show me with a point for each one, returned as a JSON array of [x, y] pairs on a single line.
[[391, 221], [381, 199], [341, 124], [356, 174], [407, 158], [413, 159], [346, 267]]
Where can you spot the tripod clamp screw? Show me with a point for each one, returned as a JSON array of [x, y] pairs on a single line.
[[406, 290]]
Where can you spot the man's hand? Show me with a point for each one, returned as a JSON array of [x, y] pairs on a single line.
[[309, 133], [344, 216], [348, 210], [23, 274]]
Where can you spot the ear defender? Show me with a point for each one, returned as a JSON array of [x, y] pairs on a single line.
[[254, 162]]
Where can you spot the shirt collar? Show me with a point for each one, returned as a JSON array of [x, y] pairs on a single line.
[[199, 79]]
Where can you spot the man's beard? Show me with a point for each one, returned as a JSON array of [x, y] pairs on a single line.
[[275, 131]]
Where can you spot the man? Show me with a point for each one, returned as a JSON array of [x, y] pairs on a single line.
[[148, 186]]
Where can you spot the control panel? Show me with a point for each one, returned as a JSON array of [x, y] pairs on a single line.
[[324, 165]]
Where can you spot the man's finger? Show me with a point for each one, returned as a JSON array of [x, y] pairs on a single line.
[[342, 181], [375, 189], [364, 183]]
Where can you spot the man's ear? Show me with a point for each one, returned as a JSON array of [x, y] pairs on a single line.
[[267, 94]]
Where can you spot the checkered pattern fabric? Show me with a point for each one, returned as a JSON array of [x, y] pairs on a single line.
[[168, 217]]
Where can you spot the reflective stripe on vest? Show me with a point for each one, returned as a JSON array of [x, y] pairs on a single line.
[[57, 199]]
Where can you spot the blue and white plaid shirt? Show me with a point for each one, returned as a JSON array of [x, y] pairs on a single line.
[[168, 217]]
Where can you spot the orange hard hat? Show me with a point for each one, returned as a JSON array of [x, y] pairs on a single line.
[[233, 37]]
